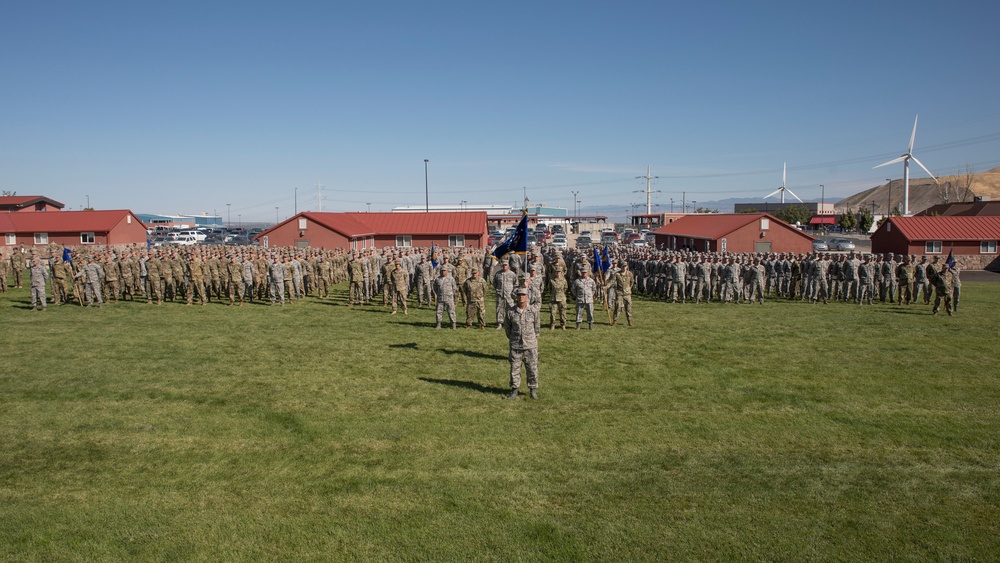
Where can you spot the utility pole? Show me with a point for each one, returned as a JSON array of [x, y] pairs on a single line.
[[649, 192], [684, 207], [671, 205], [229, 217], [576, 210], [888, 183], [319, 197]]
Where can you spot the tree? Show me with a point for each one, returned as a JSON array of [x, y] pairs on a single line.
[[793, 214], [748, 211], [865, 220], [847, 221]]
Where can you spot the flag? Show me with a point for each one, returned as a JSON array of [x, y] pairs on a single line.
[[516, 242], [66, 255], [434, 261], [597, 260], [950, 262], [606, 262]]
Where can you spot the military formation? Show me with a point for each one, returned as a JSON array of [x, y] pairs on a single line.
[[449, 277]]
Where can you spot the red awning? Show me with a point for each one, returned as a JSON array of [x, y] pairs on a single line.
[[823, 220]]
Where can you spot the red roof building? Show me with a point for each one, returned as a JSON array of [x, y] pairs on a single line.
[[70, 228], [734, 233], [359, 230], [22, 203], [972, 239]]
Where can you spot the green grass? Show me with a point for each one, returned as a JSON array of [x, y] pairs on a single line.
[[788, 432]]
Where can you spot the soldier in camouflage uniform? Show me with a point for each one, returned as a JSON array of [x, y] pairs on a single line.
[[475, 289], [444, 293], [557, 299], [519, 325]]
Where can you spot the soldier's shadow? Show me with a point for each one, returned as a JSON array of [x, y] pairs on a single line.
[[467, 385], [474, 354]]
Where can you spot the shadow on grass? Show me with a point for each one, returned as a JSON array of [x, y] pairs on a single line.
[[467, 385], [411, 345], [474, 354]]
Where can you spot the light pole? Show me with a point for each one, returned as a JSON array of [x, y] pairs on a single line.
[[694, 206], [229, 217], [671, 205], [427, 193], [575, 209], [822, 198], [275, 214]]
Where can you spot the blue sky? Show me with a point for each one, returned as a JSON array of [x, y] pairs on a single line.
[[183, 107]]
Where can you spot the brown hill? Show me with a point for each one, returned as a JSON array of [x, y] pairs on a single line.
[[925, 193]]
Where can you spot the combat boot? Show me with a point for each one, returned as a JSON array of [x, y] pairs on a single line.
[[534, 394], [577, 326], [513, 394]]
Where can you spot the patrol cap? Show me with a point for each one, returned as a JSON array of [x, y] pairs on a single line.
[[521, 291]]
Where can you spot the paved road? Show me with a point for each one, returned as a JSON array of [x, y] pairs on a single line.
[[980, 275]]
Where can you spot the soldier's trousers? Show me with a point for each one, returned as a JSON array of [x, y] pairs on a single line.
[[357, 295], [37, 295], [905, 295], [866, 292], [197, 287], [850, 289], [60, 291], [940, 295], [443, 306], [917, 287], [93, 291], [154, 289], [529, 357], [557, 311], [475, 312], [623, 303], [580, 308]]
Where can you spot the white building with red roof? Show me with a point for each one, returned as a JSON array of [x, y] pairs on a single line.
[[732, 232], [971, 239], [28, 203], [360, 230], [71, 228]]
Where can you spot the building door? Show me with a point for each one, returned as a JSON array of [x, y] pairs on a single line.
[[301, 244], [762, 247]]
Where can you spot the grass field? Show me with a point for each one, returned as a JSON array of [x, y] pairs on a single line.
[[317, 432]]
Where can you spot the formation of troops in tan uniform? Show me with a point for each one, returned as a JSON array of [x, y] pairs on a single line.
[[453, 276]]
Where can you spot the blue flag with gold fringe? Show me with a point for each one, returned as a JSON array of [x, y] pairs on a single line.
[[517, 242]]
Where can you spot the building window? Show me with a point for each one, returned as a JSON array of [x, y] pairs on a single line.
[[765, 223], [988, 247], [41, 238], [10, 238], [456, 240], [932, 247], [723, 246], [302, 224], [86, 238], [404, 240], [354, 244]]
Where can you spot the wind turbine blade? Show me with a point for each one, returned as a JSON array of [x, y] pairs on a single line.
[[913, 135], [784, 173], [775, 192], [925, 169], [793, 195], [893, 161]]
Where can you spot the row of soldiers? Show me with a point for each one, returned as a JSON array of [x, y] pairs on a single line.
[[814, 277], [250, 273]]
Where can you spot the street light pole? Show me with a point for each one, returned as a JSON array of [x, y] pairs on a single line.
[[427, 193], [229, 216], [576, 210]]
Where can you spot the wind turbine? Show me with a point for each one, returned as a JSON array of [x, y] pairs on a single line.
[[783, 189], [905, 159]]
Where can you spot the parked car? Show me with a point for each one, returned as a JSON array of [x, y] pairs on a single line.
[[583, 242], [559, 241], [840, 244], [819, 245]]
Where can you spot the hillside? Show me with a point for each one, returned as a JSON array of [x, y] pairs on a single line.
[[925, 193]]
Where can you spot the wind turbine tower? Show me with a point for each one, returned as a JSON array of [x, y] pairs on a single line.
[[781, 191], [905, 159]]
